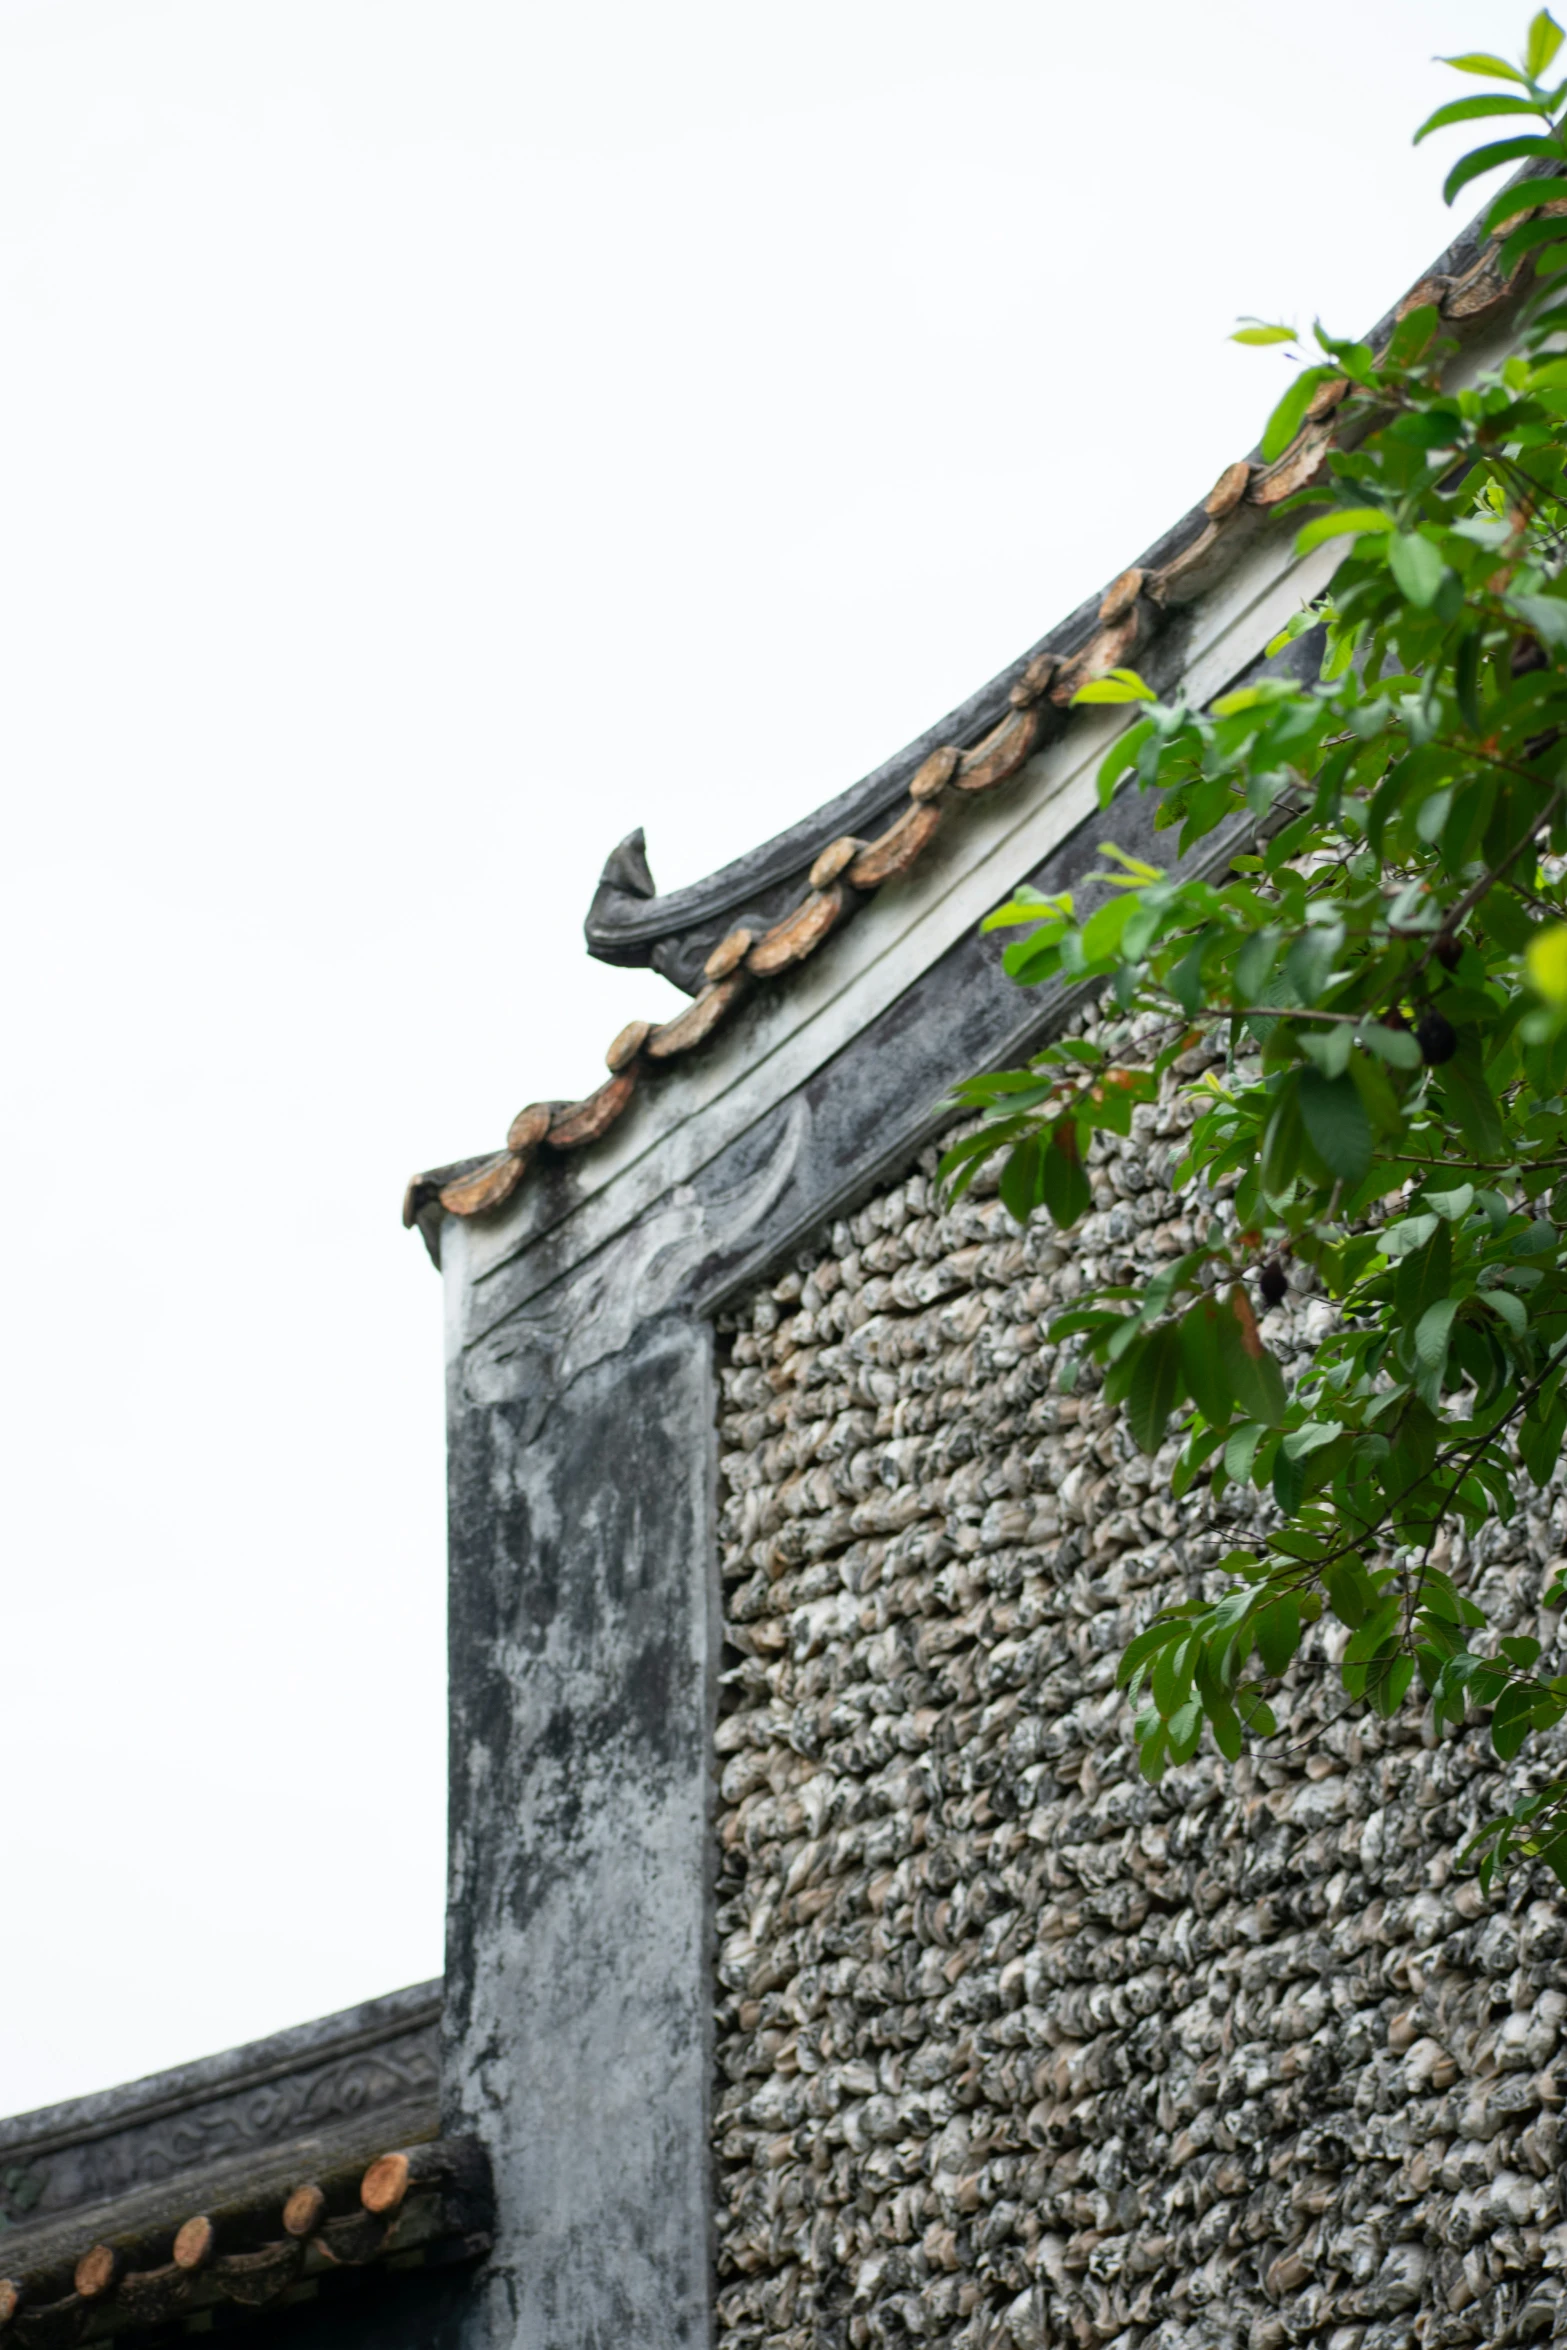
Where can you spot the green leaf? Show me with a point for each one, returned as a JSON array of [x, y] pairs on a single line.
[[1472, 110], [1327, 1048], [1185, 981], [1508, 1308], [1466, 678], [1336, 1124], [1377, 1094], [1282, 1139], [1199, 1450], [1254, 964], [1454, 1205], [1122, 685], [1449, 1605], [1417, 566], [1121, 756], [1031, 961], [1278, 1634], [1414, 1447], [1166, 1627], [1096, 1320], [1431, 1333], [1064, 1185], [1480, 160], [1249, 1371], [1356, 359], [1373, 1629], [1226, 1729], [1388, 1686], [1157, 1385], [1506, 920], [1258, 1716], [1241, 1451], [1171, 1678], [1471, 1104], [1202, 1363], [1518, 1711], [1138, 867], [1545, 38], [1153, 1751], [1257, 333], [1015, 1088], [1022, 1179], [1025, 908], [1260, 696], [1285, 421], [1349, 1590], [1310, 1437], [1546, 615], [1531, 236], [1411, 339], [1183, 1729], [1289, 1482], [1343, 522], [1102, 931], [1394, 1045], [961, 1163], [1540, 1441], [1546, 963], [1481, 62], [1148, 1643]]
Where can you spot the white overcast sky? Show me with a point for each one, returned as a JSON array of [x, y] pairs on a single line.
[[436, 439]]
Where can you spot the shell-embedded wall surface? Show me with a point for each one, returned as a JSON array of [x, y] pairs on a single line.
[[1015, 2048]]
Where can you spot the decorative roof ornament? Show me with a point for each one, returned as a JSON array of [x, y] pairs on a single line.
[[756, 920]]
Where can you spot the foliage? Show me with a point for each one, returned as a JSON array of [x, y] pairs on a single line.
[[1382, 948]]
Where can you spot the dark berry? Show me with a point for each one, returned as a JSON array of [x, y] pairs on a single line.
[[1394, 1019], [1436, 1038], [1449, 951], [1271, 1281]]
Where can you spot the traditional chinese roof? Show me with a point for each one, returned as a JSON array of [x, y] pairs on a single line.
[[296, 2165], [747, 929]]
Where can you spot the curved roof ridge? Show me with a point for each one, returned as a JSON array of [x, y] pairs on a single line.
[[625, 919], [756, 918], [629, 916]]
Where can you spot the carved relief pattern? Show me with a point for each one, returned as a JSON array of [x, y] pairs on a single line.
[[258, 2116]]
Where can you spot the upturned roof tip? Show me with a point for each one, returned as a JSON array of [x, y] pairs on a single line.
[[753, 921]]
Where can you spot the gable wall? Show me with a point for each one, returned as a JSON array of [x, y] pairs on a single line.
[[1012, 2047]]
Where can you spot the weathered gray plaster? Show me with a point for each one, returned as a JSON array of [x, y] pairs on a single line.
[[583, 1664]]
